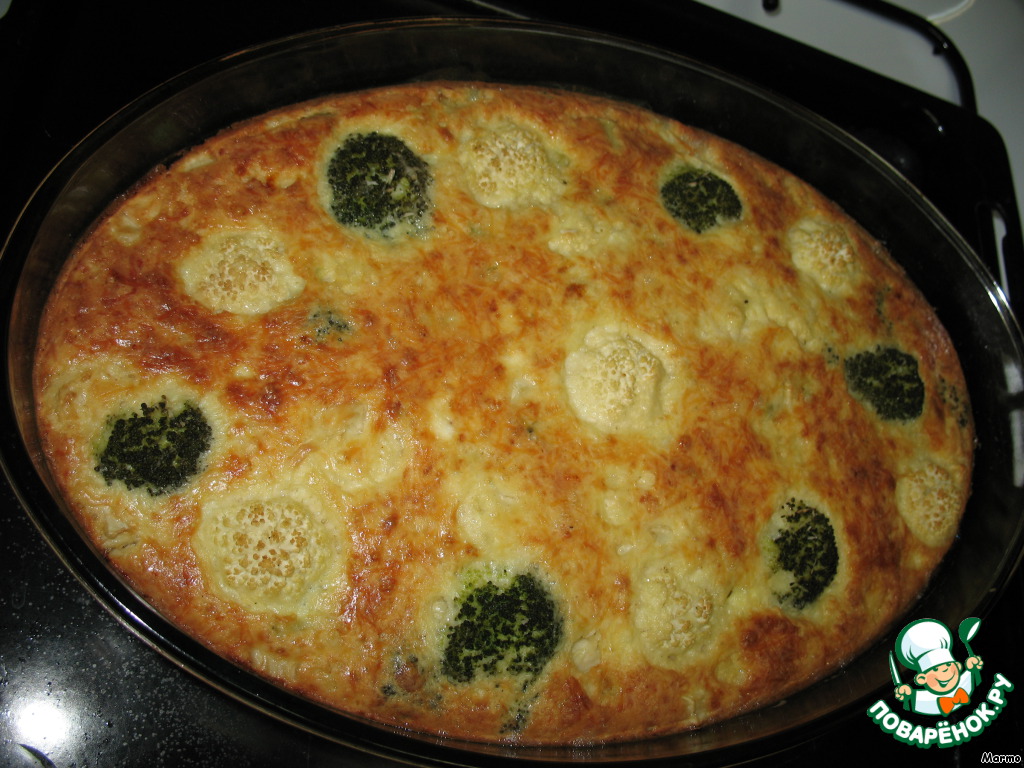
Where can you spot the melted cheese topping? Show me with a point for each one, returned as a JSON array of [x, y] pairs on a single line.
[[547, 375], [586, 233]]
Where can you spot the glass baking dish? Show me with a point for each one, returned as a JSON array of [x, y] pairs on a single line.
[[179, 114]]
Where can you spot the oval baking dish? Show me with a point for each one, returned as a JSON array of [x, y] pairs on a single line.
[[164, 123]]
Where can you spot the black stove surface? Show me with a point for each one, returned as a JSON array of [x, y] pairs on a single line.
[[76, 687]]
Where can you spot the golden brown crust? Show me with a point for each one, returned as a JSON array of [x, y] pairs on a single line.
[[551, 373]]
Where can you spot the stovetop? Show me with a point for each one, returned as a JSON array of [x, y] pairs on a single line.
[[78, 689]]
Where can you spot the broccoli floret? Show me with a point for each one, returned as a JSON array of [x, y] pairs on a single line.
[[700, 199], [506, 625], [155, 449], [378, 184], [888, 380], [803, 554], [328, 325]]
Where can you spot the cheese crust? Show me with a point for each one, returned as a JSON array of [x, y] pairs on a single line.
[[543, 371]]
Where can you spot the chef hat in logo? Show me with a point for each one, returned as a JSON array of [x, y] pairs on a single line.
[[924, 644]]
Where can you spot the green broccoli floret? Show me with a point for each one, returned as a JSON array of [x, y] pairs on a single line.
[[155, 448], [700, 199], [378, 184], [802, 553], [328, 325], [888, 380], [506, 625]]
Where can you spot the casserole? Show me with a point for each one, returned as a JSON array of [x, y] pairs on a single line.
[[190, 108]]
